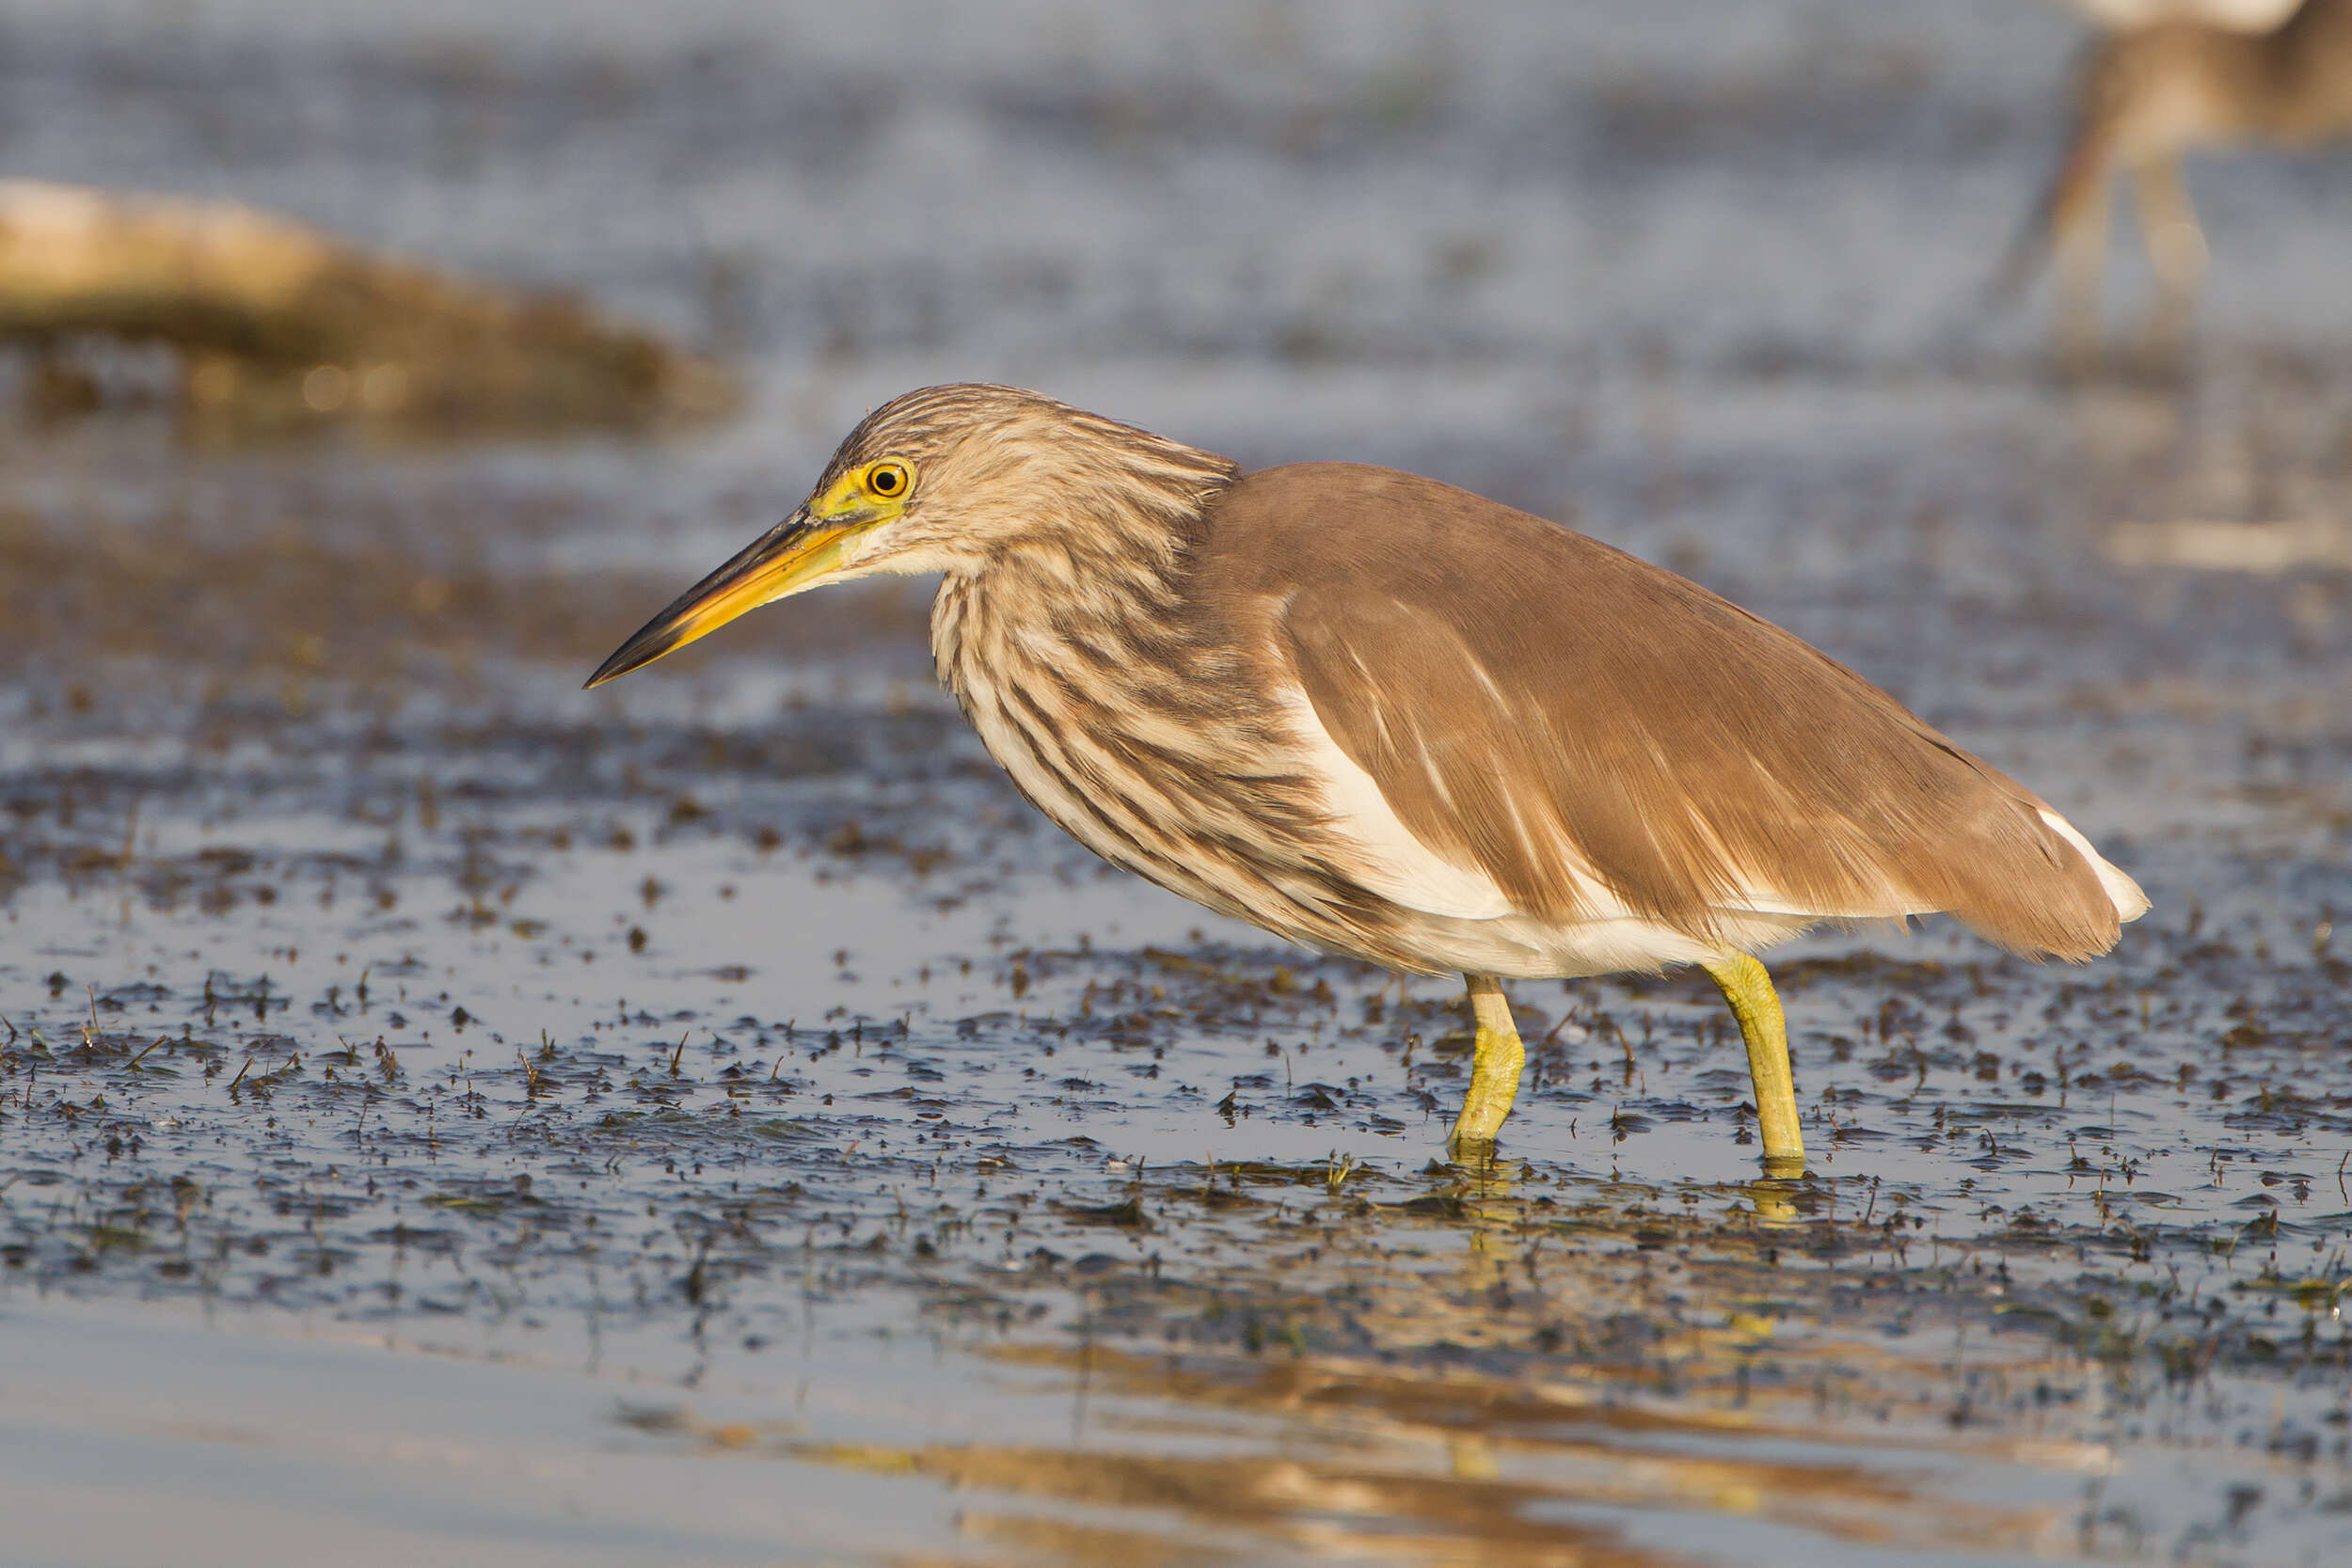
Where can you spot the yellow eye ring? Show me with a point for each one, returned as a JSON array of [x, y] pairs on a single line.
[[889, 480]]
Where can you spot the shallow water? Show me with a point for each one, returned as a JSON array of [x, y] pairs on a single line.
[[713, 1119]]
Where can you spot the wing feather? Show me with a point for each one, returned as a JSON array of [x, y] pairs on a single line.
[[1597, 736]]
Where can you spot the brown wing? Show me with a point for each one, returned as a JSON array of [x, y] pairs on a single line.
[[1556, 711]]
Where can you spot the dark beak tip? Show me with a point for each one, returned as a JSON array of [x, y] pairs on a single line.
[[672, 627], [626, 658]]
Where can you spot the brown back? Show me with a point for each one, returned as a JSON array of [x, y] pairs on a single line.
[[1528, 699]]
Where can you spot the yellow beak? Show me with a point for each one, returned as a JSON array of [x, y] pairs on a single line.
[[796, 553]]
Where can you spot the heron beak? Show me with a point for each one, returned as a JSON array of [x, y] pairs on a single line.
[[799, 552]]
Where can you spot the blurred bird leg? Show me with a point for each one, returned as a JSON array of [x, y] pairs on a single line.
[[2176, 246], [1495, 1065], [2078, 219], [1757, 1005]]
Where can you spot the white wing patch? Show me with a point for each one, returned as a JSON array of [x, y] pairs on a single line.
[[1391, 860], [1467, 921], [1400, 867], [2129, 903], [1405, 870]]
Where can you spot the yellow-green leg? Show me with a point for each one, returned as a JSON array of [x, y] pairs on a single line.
[[1757, 1005], [1494, 1066]]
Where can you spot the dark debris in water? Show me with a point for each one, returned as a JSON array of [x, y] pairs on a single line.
[[521, 1043]]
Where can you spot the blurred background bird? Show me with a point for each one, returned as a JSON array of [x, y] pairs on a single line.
[[2169, 78], [1389, 719]]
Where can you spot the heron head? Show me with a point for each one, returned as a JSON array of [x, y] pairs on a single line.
[[940, 479]]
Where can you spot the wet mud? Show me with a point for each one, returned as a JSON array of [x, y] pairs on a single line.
[[714, 1118]]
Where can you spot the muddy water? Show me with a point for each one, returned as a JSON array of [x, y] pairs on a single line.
[[713, 1119]]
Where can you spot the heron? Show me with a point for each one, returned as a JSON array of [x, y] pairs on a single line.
[[2169, 78], [1389, 719]]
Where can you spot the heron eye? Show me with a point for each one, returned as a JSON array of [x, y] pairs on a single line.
[[886, 479]]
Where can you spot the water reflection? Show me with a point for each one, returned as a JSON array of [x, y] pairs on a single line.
[[1211, 1462]]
